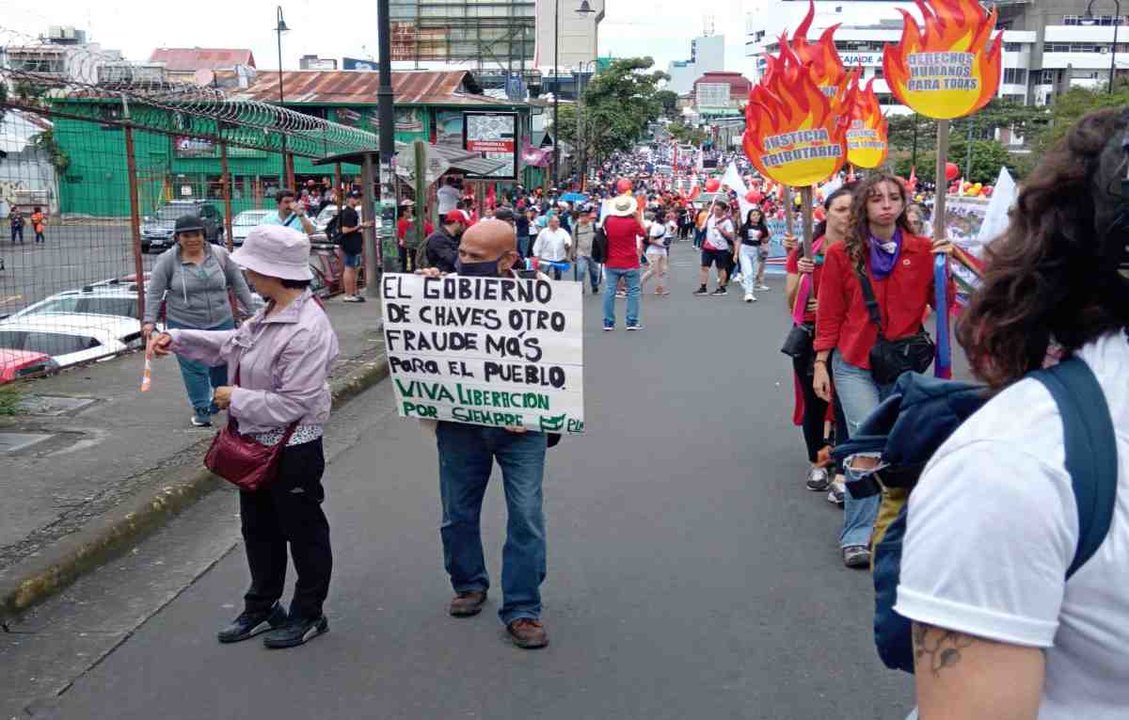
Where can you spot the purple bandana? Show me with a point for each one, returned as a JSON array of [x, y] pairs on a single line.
[[882, 259]]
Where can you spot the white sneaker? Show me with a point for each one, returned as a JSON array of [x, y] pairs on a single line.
[[750, 298], [837, 495], [762, 288], [738, 278]]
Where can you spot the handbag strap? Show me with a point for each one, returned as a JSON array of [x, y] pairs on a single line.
[[871, 301]]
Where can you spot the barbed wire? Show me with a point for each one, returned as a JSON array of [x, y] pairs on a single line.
[[136, 87]]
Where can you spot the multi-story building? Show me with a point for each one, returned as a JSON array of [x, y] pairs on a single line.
[[64, 55], [1046, 49], [200, 65], [579, 33], [707, 54]]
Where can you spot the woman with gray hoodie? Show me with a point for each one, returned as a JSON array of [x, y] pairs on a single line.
[[193, 281]]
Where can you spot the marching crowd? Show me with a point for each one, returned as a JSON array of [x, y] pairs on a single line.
[[1003, 626]]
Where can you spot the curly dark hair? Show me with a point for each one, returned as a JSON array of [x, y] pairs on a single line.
[[858, 238], [1053, 275]]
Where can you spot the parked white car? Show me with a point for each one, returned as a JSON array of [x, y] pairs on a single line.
[[71, 339], [119, 300], [244, 222]]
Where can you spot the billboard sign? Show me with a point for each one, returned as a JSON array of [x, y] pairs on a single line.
[[494, 134]]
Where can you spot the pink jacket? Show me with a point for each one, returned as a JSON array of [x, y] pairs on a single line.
[[284, 364]]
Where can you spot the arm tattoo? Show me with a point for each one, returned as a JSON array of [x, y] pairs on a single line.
[[937, 648]]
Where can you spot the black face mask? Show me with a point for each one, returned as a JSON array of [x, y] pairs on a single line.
[[487, 268]]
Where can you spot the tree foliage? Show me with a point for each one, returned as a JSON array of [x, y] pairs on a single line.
[[668, 102], [687, 135], [617, 106], [1068, 107]]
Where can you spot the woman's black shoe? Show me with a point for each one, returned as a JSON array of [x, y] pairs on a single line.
[[296, 632], [249, 624]]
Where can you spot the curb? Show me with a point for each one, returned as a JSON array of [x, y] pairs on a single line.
[[51, 571]]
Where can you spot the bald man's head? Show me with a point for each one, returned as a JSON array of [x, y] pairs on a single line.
[[489, 241]]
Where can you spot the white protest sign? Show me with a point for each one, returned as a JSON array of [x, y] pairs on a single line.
[[501, 352]]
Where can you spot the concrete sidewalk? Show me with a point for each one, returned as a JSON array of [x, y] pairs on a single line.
[[103, 465]]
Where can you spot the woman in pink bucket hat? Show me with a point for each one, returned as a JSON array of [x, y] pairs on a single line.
[[278, 364]]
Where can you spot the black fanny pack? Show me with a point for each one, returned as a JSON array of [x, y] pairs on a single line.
[[890, 358]]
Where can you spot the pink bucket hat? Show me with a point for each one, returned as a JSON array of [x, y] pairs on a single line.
[[276, 251]]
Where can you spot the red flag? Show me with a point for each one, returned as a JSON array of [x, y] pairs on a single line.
[[912, 182]]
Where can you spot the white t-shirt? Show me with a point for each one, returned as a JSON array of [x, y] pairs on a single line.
[[714, 238], [993, 528], [655, 234], [552, 244]]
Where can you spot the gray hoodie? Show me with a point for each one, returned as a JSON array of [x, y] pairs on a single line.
[[196, 295]]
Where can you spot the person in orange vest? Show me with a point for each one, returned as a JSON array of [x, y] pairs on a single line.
[[38, 222]]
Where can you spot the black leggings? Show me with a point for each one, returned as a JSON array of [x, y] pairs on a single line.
[[815, 413], [815, 410]]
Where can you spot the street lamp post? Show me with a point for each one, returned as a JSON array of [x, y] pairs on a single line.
[[1089, 19], [280, 27], [584, 10]]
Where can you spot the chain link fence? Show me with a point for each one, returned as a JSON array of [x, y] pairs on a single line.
[[92, 178]]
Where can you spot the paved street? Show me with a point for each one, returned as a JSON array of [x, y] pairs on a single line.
[[72, 256], [690, 573]]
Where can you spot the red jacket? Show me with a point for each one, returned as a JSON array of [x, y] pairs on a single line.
[[842, 322]]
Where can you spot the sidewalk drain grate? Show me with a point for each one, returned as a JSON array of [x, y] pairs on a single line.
[[53, 405], [14, 442]]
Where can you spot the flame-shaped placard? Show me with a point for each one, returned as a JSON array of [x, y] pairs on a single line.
[[794, 133], [867, 142], [949, 68], [820, 57]]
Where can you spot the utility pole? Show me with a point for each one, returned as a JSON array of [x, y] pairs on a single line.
[[387, 116], [556, 93]]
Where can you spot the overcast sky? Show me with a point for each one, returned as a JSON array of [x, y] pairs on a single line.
[[660, 28]]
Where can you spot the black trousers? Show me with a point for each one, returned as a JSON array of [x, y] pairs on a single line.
[[289, 512]]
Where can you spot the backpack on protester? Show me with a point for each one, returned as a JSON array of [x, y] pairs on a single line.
[[333, 229], [908, 428], [600, 245]]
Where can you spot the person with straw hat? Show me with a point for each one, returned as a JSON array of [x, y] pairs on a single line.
[[278, 362], [623, 226]]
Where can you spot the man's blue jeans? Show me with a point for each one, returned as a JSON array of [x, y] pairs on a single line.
[[859, 395], [199, 379], [633, 292], [466, 458], [587, 265]]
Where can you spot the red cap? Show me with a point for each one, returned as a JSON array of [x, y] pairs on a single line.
[[455, 216], [623, 185]]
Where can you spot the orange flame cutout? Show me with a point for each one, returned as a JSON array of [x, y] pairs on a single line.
[[826, 66], [867, 142], [952, 67], [794, 133]]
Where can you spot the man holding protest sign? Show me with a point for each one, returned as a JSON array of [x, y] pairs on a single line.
[[497, 363]]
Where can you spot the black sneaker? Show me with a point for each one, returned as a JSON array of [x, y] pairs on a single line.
[[297, 631], [250, 624], [719, 292], [701, 292]]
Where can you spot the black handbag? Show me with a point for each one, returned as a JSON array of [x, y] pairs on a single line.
[[890, 358], [800, 340]]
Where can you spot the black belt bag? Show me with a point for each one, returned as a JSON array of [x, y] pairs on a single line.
[[798, 344], [890, 358]]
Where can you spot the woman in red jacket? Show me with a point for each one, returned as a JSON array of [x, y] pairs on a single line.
[[899, 266]]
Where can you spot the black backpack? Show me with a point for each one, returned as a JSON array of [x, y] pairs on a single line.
[[333, 230], [600, 245]]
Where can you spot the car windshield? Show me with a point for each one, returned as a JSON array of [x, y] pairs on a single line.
[[171, 212], [250, 218], [327, 214], [58, 343]]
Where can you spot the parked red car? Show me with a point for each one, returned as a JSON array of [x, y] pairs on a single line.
[[19, 364]]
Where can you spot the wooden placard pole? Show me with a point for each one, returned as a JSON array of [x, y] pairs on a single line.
[[941, 180], [806, 209], [789, 218]]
